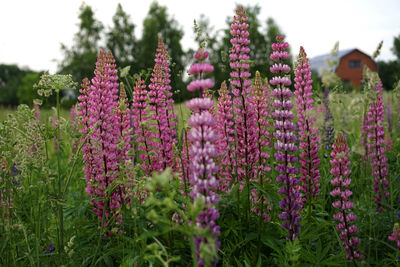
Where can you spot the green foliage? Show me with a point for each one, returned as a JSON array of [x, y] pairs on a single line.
[[396, 47], [121, 40], [26, 93], [10, 81], [159, 23], [79, 60]]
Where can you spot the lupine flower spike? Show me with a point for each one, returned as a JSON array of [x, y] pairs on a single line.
[[340, 170], [377, 148], [226, 138], [139, 119], [308, 133], [162, 114], [97, 105], [260, 202], [202, 154], [285, 140], [245, 120], [395, 236]]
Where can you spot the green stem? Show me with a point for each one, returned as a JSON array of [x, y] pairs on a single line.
[[60, 205]]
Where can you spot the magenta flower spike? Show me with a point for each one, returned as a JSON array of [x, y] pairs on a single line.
[[377, 148], [142, 135], [99, 102], [245, 119], [340, 170], [202, 153], [123, 114], [395, 236], [285, 140], [83, 113], [263, 136], [162, 115], [308, 133], [226, 138]]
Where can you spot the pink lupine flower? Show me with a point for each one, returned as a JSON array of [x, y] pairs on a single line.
[[377, 148], [101, 155], [123, 115], [245, 119], [162, 114], [139, 118], [202, 166], [226, 137], [340, 170], [308, 133], [263, 137], [395, 236], [285, 145]]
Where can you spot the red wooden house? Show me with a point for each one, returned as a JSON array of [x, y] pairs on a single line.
[[350, 65]]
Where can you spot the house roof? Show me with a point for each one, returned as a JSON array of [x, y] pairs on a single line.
[[318, 63]]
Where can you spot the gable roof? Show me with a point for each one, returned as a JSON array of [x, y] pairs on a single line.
[[318, 63]]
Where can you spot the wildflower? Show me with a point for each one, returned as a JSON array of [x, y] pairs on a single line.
[[285, 144], [162, 115], [377, 148], [101, 128], [263, 137], [340, 170], [308, 133], [225, 130], [245, 120], [202, 166]]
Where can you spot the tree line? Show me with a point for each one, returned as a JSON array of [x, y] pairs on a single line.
[[138, 53]]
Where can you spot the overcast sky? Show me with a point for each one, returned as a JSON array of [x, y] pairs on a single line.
[[31, 31]]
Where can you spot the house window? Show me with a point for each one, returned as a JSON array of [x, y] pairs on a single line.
[[346, 81], [355, 64]]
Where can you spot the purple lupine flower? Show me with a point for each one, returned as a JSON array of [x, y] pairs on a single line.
[[162, 116], [308, 133], [245, 119], [225, 131], [285, 144], [263, 136], [340, 170], [377, 148], [101, 155], [203, 180], [202, 166]]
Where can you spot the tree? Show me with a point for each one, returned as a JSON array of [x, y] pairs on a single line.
[[10, 80], [158, 23], [389, 71], [396, 47], [26, 94], [80, 58], [121, 40]]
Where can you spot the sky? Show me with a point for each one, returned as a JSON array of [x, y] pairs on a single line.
[[32, 31]]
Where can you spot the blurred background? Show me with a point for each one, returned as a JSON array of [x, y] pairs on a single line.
[[65, 36]]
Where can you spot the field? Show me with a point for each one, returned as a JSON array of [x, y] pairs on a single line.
[[261, 173]]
